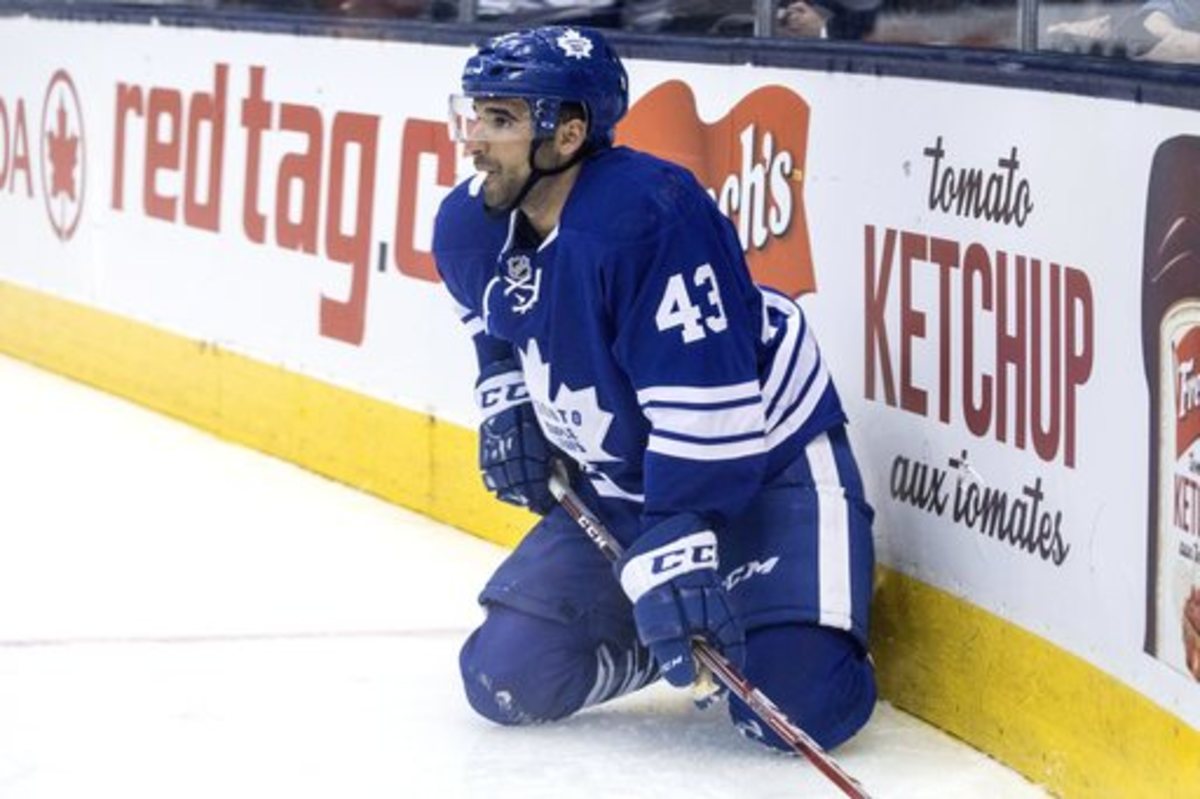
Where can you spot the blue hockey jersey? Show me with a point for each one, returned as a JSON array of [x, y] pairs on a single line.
[[651, 357]]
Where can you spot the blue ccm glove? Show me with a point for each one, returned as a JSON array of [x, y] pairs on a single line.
[[514, 456], [670, 575]]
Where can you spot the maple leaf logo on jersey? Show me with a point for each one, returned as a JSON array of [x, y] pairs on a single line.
[[63, 156], [575, 44], [572, 420]]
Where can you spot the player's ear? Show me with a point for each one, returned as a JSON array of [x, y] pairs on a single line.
[[569, 136]]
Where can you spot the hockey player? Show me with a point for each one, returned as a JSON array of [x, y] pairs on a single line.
[[618, 330]]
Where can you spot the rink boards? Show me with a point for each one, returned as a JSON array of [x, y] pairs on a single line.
[[233, 228]]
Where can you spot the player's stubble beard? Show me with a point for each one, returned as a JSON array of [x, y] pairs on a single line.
[[503, 184]]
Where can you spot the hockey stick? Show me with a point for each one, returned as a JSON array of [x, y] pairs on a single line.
[[728, 674]]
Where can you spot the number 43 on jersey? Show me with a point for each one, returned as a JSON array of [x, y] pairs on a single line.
[[678, 309]]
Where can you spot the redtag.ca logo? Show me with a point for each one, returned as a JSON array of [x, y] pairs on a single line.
[[63, 155], [752, 162]]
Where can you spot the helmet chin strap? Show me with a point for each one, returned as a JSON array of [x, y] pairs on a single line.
[[536, 173]]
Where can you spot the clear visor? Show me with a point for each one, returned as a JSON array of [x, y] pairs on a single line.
[[491, 119]]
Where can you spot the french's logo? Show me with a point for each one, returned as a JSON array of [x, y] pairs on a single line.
[[751, 161], [1187, 391]]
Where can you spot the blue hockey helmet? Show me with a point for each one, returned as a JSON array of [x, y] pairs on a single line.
[[548, 66]]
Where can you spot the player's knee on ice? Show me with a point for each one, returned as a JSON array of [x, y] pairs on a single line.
[[818, 676], [520, 669]]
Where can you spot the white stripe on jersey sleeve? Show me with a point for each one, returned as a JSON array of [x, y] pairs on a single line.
[[694, 451], [779, 434], [469, 318], [806, 363], [474, 326], [705, 417], [740, 420], [698, 395]]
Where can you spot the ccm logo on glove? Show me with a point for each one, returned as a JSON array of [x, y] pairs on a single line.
[[705, 554], [495, 394], [653, 568]]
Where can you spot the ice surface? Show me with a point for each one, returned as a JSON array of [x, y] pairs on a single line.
[[181, 617]]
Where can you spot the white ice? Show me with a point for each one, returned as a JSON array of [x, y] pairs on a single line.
[[182, 617]]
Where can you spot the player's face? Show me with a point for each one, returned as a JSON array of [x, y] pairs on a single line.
[[497, 140]]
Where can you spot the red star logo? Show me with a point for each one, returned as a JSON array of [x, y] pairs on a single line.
[[64, 153]]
